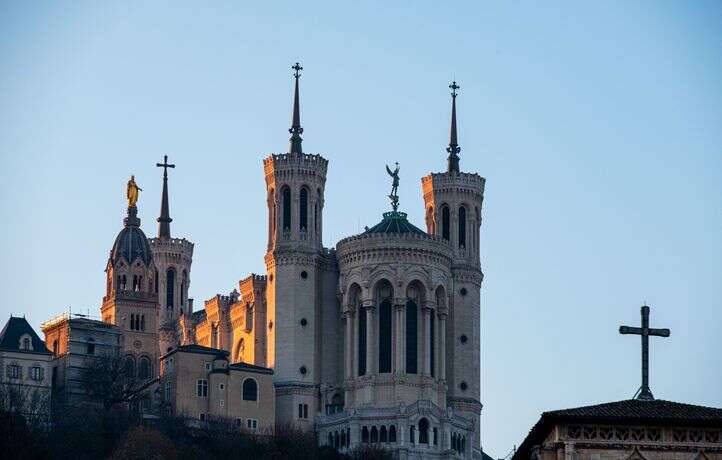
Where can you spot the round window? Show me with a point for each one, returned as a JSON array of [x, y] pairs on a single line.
[[304, 322], [463, 338], [463, 386], [304, 275], [303, 370], [462, 292]]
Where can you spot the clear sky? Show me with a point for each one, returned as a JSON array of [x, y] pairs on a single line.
[[597, 126]]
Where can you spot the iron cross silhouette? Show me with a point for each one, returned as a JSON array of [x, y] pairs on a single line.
[[165, 166], [645, 331]]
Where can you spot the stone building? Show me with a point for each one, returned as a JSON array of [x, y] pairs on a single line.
[[25, 383], [201, 383], [74, 342], [634, 429], [376, 340]]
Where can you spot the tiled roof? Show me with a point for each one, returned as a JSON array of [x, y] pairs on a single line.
[[198, 349], [251, 367], [13, 330], [627, 412]]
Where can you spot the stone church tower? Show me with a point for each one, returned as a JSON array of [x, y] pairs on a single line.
[[173, 258], [301, 279], [453, 201], [130, 300]]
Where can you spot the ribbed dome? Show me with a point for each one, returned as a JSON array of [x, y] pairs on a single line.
[[131, 242], [395, 222]]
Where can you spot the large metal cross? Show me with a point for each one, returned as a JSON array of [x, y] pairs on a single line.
[[297, 70], [165, 166], [453, 86], [645, 331]]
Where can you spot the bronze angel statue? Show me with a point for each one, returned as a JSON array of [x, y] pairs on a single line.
[[394, 186]]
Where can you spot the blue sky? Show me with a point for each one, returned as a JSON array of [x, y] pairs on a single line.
[[597, 126]]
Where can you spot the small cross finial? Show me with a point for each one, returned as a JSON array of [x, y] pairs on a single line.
[[453, 86], [165, 165], [297, 70]]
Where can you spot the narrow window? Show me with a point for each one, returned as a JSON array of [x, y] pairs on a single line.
[[300, 411], [303, 209], [132, 321], [91, 347], [385, 337], [170, 289], [144, 368], [383, 435], [462, 227], [250, 390], [423, 431], [412, 434], [362, 341], [167, 391], [155, 280], [142, 322], [374, 434], [436, 437], [392, 433], [26, 343], [445, 221], [305, 411], [364, 434], [411, 337], [286, 197]]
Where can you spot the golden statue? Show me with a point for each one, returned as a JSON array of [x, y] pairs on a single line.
[[132, 192]]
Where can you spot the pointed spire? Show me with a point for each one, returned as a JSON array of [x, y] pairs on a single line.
[[453, 147], [296, 130], [164, 220]]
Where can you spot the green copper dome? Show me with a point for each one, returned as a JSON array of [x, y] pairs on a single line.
[[394, 222]]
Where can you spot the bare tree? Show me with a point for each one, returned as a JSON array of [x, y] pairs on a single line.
[[30, 403], [106, 380]]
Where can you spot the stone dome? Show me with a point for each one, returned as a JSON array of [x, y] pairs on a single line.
[[131, 242]]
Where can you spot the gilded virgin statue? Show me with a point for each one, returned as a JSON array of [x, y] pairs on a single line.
[[132, 192]]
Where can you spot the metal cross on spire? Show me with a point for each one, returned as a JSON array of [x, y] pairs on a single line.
[[294, 145], [645, 331], [453, 149], [164, 220]]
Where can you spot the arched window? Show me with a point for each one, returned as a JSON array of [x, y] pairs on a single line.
[[392, 433], [142, 322], [364, 434], [412, 434], [462, 227], [240, 348], [343, 438], [384, 436], [26, 343], [385, 336], [374, 434], [361, 341], [335, 439], [155, 280], [423, 431], [286, 199], [453, 441], [463, 444], [184, 288], [303, 209], [250, 390], [129, 367], [412, 311], [170, 289], [436, 437], [445, 223], [144, 368]]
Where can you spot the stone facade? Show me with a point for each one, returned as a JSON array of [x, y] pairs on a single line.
[[631, 429], [201, 384], [74, 342]]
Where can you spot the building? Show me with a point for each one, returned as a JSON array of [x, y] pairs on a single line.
[[75, 343], [376, 340], [25, 385], [201, 383], [633, 429]]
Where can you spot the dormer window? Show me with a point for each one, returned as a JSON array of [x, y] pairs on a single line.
[[25, 343]]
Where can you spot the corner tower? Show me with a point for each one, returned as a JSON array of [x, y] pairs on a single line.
[[298, 275], [130, 301], [173, 258], [453, 202]]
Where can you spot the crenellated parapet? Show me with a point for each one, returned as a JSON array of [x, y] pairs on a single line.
[[294, 165]]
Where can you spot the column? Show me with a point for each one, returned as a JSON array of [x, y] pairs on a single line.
[[442, 346], [426, 324], [370, 337], [400, 337], [348, 344]]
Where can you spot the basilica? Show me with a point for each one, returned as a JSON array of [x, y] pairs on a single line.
[[376, 340]]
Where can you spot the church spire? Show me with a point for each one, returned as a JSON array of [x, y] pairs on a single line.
[[164, 220], [296, 130], [453, 147]]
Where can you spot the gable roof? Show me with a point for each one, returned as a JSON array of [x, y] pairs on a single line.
[[627, 412], [193, 348], [13, 330], [250, 367]]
